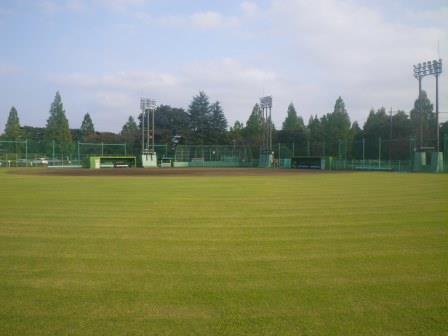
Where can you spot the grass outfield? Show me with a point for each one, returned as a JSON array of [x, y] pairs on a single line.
[[324, 254]]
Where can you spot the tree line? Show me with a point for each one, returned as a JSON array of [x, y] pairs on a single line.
[[204, 122]]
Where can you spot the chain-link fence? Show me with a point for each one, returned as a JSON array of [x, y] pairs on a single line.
[[366, 154], [31, 153], [361, 154], [215, 156]]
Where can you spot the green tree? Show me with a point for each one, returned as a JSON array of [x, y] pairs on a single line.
[[12, 127], [255, 122], [377, 124], [292, 121], [57, 129], [130, 130], [236, 132], [253, 131], [401, 125], [444, 136], [199, 113], [355, 131], [423, 120], [315, 130], [336, 127], [218, 124], [170, 121], [87, 128], [339, 121]]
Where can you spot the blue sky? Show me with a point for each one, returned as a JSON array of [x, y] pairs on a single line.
[[102, 55]]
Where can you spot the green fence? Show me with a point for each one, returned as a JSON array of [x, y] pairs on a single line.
[[29, 153], [445, 153], [214, 156], [361, 154], [364, 154]]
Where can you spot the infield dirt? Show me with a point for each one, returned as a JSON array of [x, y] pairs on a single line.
[[165, 172]]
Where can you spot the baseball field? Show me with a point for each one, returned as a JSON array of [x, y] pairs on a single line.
[[223, 252]]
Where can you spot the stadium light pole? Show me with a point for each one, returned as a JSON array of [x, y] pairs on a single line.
[[429, 68], [266, 106], [147, 105]]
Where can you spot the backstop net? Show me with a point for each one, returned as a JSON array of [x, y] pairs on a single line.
[[362, 154], [88, 149], [13, 153], [214, 156]]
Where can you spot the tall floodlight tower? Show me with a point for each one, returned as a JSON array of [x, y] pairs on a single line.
[[430, 68], [266, 155], [149, 155]]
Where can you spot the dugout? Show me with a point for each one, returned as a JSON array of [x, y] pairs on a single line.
[[97, 162], [308, 162]]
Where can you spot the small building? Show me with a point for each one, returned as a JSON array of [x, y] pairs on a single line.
[[97, 162]]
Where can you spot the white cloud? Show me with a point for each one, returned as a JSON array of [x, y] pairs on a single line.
[[126, 80], [75, 5], [437, 17], [236, 85], [206, 20], [249, 7], [48, 6], [355, 51], [9, 70], [120, 4], [55, 6], [314, 52]]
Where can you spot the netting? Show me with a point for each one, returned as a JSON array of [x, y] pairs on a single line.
[[361, 154], [445, 152], [214, 156], [85, 150], [13, 153]]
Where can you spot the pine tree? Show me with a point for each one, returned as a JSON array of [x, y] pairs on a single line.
[[12, 127], [338, 123], [218, 121], [130, 129], [254, 124], [199, 113], [315, 130], [292, 121], [130, 133], [57, 129], [236, 132], [87, 127], [423, 119], [253, 132]]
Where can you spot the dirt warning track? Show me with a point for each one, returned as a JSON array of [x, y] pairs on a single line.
[[164, 171]]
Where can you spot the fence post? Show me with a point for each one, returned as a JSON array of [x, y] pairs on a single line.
[[79, 155], [53, 152], [102, 149], [293, 149]]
